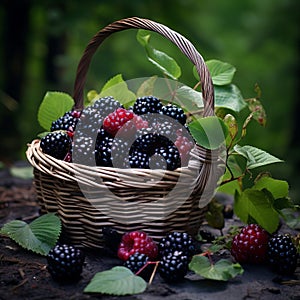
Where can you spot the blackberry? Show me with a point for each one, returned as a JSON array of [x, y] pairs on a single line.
[[184, 145], [57, 144], [138, 159], [166, 131], [173, 266], [282, 254], [174, 112], [170, 155], [136, 261], [250, 245], [146, 141], [111, 239], [177, 241], [147, 105], [67, 122], [65, 263], [84, 151], [106, 105], [111, 151]]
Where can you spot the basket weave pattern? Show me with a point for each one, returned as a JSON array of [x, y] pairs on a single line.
[[88, 198]]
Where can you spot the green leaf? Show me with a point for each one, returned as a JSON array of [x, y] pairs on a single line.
[[255, 157], [22, 172], [222, 270], [39, 236], [214, 216], [229, 96], [53, 106], [257, 205], [116, 281], [231, 123], [166, 64], [209, 132], [117, 88], [221, 72], [147, 87], [278, 188]]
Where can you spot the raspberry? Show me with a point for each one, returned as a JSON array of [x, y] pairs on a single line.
[[147, 105], [115, 120], [282, 254], [57, 144], [174, 112], [177, 241], [67, 122], [173, 266], [250, 245], [65, 263], [137, 241]]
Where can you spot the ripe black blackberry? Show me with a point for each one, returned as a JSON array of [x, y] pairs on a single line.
[[174, 112], [282, 254], [57, 144], [146, 105], [170, 157], [65, 263], [106, 105], [146, 141], [139, 159], [67, 122], [136, 262], [83, 150], [173, 266], [103, 152], [177, 241]]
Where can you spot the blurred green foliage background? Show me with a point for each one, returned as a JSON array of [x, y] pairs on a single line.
[[42, 42]]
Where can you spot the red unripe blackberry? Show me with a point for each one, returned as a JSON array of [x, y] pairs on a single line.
[[115, 120], [250, 245], [137, 241]]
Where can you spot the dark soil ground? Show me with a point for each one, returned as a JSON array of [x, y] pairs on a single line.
[[23, 274]]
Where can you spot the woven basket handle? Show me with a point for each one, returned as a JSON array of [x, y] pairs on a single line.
[[181, 42]]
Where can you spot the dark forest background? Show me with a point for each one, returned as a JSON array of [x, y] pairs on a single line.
[[42, 42]]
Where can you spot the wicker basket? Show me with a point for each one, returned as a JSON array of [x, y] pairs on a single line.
[[155, 201]]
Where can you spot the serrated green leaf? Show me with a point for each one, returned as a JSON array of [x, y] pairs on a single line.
[[278, 188], [222, 270], [117, 281], [221, 72], [147, 87], [209, 132], [39, 236], [53, 106], [229, 96], [117, 88], [255, 156], [22, 172], [257, 205]]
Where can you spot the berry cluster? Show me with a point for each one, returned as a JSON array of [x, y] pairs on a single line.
[[147, 135], [254, 245], [174, 252]]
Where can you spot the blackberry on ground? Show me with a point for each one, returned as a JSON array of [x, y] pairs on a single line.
[[174, 112], [65, 263], [177, 241], [136, 261], [282, 254], [147, 105], [67, 122], [137, 241], [57, 144], [173, 266], [250, 245], [111, 238]]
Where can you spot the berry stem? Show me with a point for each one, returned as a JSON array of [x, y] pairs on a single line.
[[145, 266], [153, 273]]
